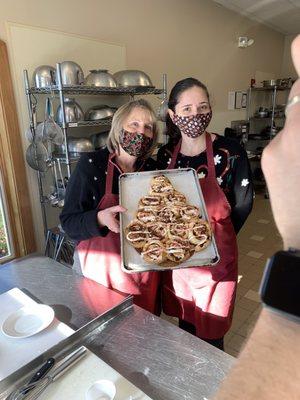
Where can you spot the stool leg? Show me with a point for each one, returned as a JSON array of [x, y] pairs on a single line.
[[47, 243], [56, 254]]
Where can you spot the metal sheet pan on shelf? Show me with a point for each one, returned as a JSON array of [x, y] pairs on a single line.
[[133, 186]]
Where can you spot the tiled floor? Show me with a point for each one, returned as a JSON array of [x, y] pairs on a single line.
[[257, 241]]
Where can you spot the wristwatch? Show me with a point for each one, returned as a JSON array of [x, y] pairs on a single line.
[[280, 286]]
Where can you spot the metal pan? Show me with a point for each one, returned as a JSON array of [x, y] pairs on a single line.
[[132, 186]]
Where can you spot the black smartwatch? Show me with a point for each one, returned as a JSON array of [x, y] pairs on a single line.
[[280, 286]]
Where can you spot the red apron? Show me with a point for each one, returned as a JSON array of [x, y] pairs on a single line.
[[204, 296], [100, 260]]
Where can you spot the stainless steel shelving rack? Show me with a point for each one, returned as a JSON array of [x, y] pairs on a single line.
[[253, 144], [61, 91], [273, 90]]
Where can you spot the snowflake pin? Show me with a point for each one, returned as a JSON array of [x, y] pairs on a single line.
[[245, 182], [201, 175], [220, 180], [217, 159]]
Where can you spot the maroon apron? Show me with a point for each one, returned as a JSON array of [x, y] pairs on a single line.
[[204, 296], [100, 259]]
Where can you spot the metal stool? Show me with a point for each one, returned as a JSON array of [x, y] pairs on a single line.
[[58, 246]]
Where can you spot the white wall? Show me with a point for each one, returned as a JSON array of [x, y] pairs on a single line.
[[287, 69]]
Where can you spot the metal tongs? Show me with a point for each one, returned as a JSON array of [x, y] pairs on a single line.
[[32, 391]]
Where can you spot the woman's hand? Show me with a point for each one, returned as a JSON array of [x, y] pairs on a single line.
[[107, 217]]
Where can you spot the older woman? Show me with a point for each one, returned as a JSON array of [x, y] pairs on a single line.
[[92, 202], [203, 297]]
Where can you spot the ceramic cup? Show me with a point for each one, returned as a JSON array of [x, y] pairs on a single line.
[[101, 390]]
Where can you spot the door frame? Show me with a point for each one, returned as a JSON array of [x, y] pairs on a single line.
[[12, 165]]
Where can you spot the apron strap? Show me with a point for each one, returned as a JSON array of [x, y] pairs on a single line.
[[110, 172], [210, 156], [174, 155], [110, 175]]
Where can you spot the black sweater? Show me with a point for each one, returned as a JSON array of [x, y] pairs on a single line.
[[85, 189], [232, 171]]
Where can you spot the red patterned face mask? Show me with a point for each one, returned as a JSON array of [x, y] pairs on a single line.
[[193, 126], [135, 144]]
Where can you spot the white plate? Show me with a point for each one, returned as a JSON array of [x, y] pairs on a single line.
[[28, 321]]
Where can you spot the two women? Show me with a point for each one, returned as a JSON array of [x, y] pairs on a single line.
[[201, 297]]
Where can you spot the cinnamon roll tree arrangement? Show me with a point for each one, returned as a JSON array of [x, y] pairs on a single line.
[[167, 230]]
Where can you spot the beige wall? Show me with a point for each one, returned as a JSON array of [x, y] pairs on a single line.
[[179, 37], [287, 69]]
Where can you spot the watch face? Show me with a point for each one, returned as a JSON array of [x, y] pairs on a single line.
[[281, 283]]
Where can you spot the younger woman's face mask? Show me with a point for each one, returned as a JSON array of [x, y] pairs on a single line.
[[193, 126], [134, 143]]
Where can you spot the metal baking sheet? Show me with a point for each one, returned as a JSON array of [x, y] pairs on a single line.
[[133, 186]]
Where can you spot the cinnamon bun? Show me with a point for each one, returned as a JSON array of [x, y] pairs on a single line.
[[158, 230], [175, 198], [146, 215], [136, 234], [160, 185], [150, 201], [178, 250], [160, 179], [168, 214], [178, 229], [199, 234], [188, 213], [154, 252]]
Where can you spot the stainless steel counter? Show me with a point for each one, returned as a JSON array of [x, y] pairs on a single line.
[[161, 359]]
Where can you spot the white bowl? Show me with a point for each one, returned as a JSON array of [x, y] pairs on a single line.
[[101, 390]]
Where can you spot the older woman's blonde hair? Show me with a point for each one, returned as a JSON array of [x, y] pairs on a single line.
[[118, 120]]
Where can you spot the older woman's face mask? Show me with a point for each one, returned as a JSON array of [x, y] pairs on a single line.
[[134, 143], [136, 137]]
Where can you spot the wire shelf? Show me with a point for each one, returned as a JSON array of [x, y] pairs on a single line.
[[265, 118], [63, 160], [100, 122], [78, 124], [93, 90], [270, 88]]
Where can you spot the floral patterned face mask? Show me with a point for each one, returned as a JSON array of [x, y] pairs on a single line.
[[193, 126], [134, 143]]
